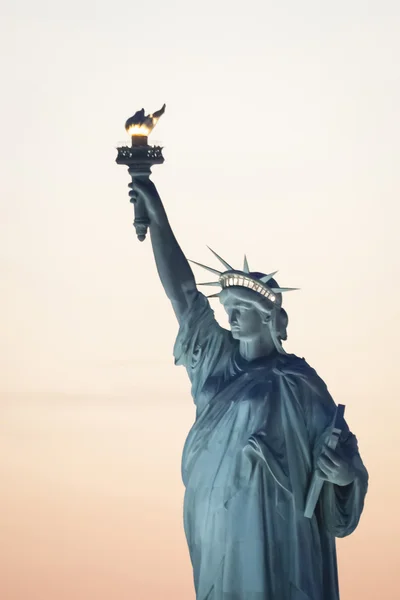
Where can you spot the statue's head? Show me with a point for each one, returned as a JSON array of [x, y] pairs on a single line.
[[253, 302], [252, 315]]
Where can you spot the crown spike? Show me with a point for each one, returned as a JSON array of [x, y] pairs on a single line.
[[210, 283], [204, 267], [280, 290], [226, 265], [266, 278], [214, 295], [246, 268]]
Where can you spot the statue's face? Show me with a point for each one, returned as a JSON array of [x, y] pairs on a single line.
[[247, 322]]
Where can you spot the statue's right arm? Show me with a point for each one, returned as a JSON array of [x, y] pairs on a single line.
[[173, 268]]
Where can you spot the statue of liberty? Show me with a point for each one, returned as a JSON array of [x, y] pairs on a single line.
[[263, 418]]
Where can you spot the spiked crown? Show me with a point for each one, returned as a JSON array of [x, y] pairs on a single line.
[[252, 280]]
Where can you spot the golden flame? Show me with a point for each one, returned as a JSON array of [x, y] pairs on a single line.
[[141, 124], [139, 130]]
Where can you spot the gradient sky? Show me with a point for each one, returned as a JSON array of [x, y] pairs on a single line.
[[281, 140]]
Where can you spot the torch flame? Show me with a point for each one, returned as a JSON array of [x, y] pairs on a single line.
[[141, 124]]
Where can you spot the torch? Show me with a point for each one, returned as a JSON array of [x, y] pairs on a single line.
[[139, 158]]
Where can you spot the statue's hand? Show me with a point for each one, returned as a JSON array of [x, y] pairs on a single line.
[[145, 189], [335, 467]]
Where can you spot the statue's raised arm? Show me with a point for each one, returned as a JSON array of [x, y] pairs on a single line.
[[173, 267]]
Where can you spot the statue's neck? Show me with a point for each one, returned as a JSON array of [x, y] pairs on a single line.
[[258, 348]]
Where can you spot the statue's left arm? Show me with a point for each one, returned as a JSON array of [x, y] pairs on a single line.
[[340, 506]]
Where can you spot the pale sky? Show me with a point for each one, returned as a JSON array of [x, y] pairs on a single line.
[[281, 139]]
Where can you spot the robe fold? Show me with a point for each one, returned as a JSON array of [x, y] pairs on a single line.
[[247, 465]]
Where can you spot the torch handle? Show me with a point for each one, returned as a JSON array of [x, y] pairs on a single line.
[[141, 221]]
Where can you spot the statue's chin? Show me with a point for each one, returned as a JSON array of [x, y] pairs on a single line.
[[235, 333]]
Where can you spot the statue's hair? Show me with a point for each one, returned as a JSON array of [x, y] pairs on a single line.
[[282, 319], [283, 322]]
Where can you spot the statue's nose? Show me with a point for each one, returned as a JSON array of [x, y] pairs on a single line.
[[232, 318]]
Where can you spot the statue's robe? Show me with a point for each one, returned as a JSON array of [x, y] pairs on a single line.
[[247, 465]]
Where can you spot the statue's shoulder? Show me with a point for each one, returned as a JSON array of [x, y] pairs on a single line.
[[291, 364], [299, 372]]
